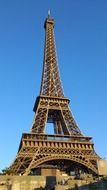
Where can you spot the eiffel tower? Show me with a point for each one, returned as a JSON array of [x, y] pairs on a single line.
[[66, 150]]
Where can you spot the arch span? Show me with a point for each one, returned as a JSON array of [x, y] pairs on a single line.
[[77, 159]]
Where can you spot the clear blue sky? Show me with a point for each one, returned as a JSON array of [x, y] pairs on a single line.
[[81, 40]]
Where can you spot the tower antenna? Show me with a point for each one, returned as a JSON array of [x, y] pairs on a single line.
[[49, 13]]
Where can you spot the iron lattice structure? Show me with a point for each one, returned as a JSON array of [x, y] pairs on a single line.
[[67, 147]]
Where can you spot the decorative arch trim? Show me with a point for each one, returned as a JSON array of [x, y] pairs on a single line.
[[78, 159]]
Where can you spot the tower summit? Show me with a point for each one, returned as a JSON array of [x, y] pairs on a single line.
[[67, 149]]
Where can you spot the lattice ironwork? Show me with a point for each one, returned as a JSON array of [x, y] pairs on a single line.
[[51, 83], [55, 110], [37, 149]]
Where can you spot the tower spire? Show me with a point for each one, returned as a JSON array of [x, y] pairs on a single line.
[[51, 82]]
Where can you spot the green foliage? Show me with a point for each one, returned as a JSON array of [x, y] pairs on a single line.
[[7, 171]]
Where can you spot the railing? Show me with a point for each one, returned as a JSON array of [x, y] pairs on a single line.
[[57, 137]]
